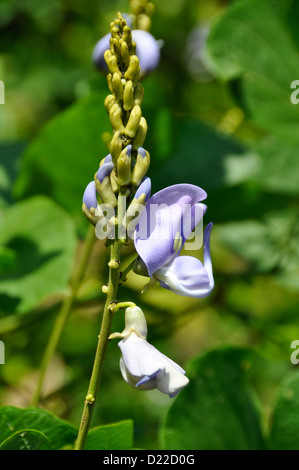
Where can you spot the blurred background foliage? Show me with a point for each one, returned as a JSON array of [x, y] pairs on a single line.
[[220, 116]]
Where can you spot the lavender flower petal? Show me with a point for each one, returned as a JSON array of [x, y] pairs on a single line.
[[186, 275], [144, 188], [90, 195], [161, 222], [104, 171]]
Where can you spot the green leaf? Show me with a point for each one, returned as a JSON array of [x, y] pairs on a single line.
[[250, 40], [39, 236], [27, 439], [216, 411], [285, 425], [279, 168], [41, 427], [64, 157], [269, 244], [115, 436]]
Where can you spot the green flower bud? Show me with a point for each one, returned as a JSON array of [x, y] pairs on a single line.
[[127, 35], [124, 166], [115, 31], [109, 102], [140, 134], [109, 81], [116, 147], [128, 96], [105, 190], [124, 51], [133, 122], [111, 61], [117, 86], [115, 116], [133, 67], [141, 166], [115, 46]]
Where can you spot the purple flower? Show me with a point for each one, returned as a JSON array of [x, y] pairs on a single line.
[[147, 50], [90, 196], [167, 221]]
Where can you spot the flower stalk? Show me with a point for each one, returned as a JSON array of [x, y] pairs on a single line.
[[103, 340]]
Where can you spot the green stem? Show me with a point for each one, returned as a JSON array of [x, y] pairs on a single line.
[[101, 347], [63, 314], [125, 272]]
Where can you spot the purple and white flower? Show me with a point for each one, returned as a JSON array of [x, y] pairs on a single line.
[[163, 228], [141, 364]]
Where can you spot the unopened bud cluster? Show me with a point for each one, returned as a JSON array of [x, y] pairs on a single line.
[[124, 169]]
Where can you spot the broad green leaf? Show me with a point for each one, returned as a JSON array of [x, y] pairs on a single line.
[[115, 436], [268, 244], [14, 420], [216, 411], [40, 238], [62, 160], [285, 425], [27, 439], [279, 166], [250, 40]]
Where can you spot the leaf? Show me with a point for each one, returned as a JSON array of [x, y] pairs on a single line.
[[42, 427], [279, 169], [39, 237], [27, 439], [269, 244], [285, 425], [216, 410], [250, 40], [115, 436], [64, 157]]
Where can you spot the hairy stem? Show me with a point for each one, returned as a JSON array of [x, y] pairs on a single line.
[[101, 347], [63, 314]]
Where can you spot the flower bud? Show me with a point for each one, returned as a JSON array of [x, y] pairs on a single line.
[[117, 86], [107, 159], [124, 51], [124, 166], [103, 185], [128, 96], [140, 136], [115, 116], [133, 68], [90, 196], [109, 102], [116, 147], [133, 122], [111, 61], [141, 166]]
